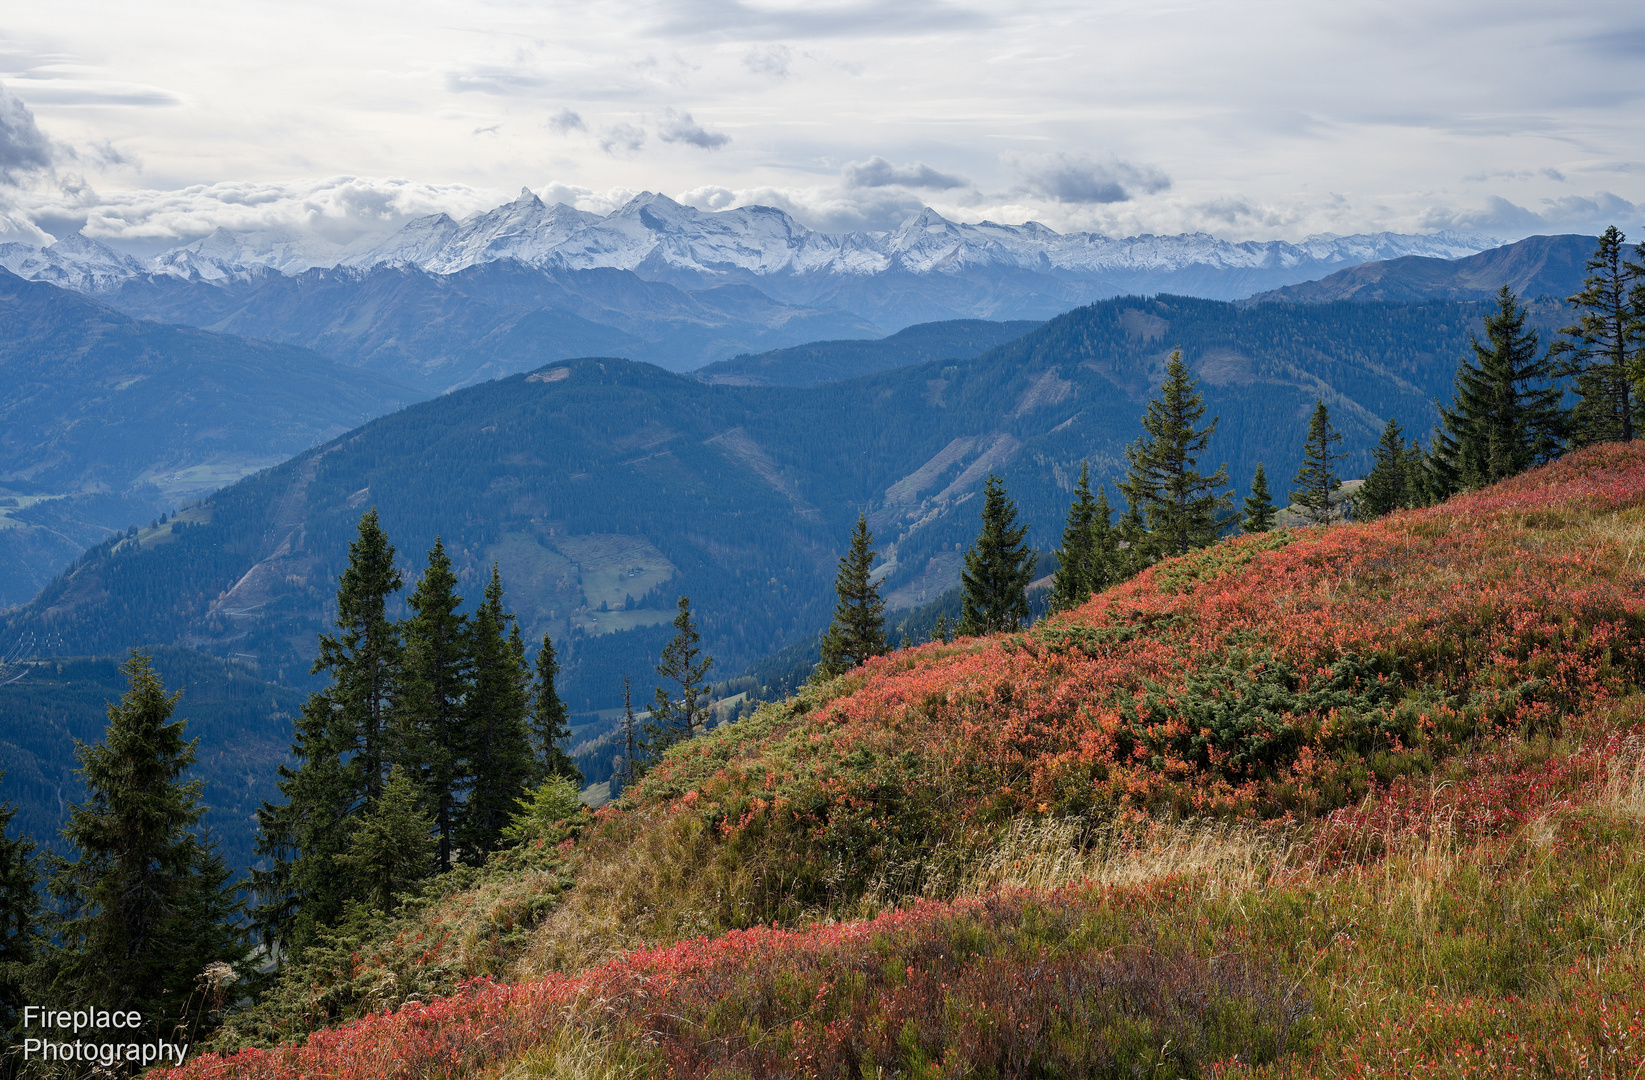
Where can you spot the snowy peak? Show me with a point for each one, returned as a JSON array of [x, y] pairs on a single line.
[[657, 237], [75, 262]]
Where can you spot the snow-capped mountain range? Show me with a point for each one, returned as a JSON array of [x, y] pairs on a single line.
[[660, 239]]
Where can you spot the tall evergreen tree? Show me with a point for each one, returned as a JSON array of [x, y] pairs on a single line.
[[1137, 551], [1604, 346], [1387, 487], [147, 904], [1105, 544], [1077, 574], [1259, 505], [435, 678], [1317, 482], [1180, 505], [392, 846], [858, 629], [680, 712], [550, 724], [342, 744], [20, 928], [998, 568], [1506, 415], [498, 764], [628, 765]]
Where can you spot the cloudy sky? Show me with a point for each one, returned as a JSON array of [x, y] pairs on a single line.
[[152, 123]]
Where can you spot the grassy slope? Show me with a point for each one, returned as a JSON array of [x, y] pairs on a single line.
[[1364, 801]]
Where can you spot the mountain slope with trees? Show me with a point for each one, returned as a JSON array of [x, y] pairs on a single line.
[[1533, 267], [106, 420], [830, 361], [741, 497], [1303, 770]]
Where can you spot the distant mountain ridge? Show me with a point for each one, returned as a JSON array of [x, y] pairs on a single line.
[[1536, 266], [829, 361], [106, 420], [926, 269]]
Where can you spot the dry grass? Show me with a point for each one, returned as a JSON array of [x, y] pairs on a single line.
[[1623, 794]]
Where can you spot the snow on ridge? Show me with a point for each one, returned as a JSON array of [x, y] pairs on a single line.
[[654, 231]]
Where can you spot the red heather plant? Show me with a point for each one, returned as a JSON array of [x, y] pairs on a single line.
[[1009, 986]]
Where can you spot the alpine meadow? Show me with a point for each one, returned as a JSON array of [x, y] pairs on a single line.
[[800, 541]]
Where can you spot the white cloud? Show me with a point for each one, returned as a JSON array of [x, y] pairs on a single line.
[[24, 149], [566, 121], [878, 172], [678, 127], [622, 138], [1075, 178], [769, 60]]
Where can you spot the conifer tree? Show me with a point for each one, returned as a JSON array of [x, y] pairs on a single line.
[[1506, 414], [392, 846], [1316, 482], [1180, 505], [1137, 552], [1077, 575], [1387, 487], [1604, 346], [679, 713], [1259, 505], [20, 926], [550, 724], [629, 764], [998, 568], [146, 902], [858, 629], [498, 765], [1105, 544], [434, 679], [343, 745]]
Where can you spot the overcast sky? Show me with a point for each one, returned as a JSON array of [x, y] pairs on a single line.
[[152, 123]]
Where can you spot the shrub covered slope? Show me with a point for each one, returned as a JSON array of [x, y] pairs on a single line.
[[1367, 800]]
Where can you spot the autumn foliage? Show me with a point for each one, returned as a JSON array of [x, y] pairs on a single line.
[[1425, 731]]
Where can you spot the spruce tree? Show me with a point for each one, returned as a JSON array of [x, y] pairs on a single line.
[[550, 724], [858, 629], [146, 902], [1259, 505], [1387, 487], [392, 846], [343, 745], [998, 568], [1105, 544], [1180, 505], [1136, 546], [434, 680], [1316, 482], [1506, 414], [20, 927], [680, 712], [498, 764], [1077, 576], [1605, 344], [629, 765]]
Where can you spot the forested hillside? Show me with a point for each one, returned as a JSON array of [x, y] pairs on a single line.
[[1533, 267], [106, 420], [1339, 801], [606, 488], [830, 361], [243, 724]]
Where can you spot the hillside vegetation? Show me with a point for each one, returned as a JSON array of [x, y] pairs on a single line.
[[739, 497], [1364, 800]]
